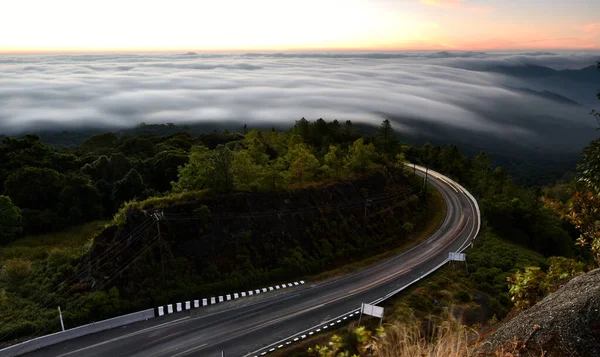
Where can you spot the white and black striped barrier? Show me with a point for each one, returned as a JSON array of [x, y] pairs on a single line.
[[306, 333], [187, 305]]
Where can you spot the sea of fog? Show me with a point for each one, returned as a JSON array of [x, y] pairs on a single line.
[[438, 93]]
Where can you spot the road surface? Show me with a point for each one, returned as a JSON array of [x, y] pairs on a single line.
[[241, 327]]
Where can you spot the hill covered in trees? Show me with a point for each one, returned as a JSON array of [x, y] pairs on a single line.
[[234, 210]]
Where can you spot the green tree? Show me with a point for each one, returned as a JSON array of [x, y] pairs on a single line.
[[501, 177], [360, 156], [481, 163], [302, 128], [101, 141], [164, 168], [584, 213], [385, 138], [254, 142], [452, 162], [245, 171], [79, 201], [590, 166], [99, 169], [130, 187], [303, 164], [196, 174], [137, 146], [11, 221], [119, 166], [221, 160], [19, 153], [400, 161], [584, 207], [349, 133], [274, 175], [207, 169], [335, 159], [32, 187]]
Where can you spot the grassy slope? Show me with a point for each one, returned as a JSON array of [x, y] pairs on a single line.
[[31, 269], [472, 293], [36, 248]]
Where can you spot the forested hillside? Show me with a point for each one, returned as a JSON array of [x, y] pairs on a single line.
[[244, 175], [234, 210]]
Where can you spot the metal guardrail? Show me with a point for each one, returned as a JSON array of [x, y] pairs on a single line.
[[58, 337], [355, 312]]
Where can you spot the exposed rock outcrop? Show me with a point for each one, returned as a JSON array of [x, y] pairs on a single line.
[[565, 323]]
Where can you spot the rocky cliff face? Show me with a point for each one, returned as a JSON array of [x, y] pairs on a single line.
[[565, 323]]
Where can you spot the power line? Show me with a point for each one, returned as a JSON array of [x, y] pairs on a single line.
[[46, 300], [374, 199], [80, 301]]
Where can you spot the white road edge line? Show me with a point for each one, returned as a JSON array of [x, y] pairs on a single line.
[[157, 327], [190, 350]]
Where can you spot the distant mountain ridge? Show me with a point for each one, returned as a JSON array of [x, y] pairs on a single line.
[[546, 94], [589, 74]]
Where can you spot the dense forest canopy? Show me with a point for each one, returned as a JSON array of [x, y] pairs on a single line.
[[52, 189], [47, 189]]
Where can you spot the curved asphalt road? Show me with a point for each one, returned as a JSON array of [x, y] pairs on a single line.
[[246, 325]]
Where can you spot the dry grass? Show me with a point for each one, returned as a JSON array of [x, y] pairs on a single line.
[[448, 339]]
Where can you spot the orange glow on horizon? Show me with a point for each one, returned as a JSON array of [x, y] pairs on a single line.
[[116, 26]]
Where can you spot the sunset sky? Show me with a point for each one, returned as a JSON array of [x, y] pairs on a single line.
[[247, 25]]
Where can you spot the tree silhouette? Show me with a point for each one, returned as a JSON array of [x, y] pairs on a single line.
[[11, 220]]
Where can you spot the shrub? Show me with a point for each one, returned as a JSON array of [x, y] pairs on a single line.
[[526, 287], [15, 270], [463, 296]]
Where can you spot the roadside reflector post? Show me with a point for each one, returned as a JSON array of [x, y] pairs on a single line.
[[361, 311], [62, 324]]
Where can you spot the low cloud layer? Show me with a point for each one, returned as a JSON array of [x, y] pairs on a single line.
[[458, 91]]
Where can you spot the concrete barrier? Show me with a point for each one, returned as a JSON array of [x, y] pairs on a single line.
[[52, 339]]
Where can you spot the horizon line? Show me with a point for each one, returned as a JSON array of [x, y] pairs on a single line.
[[283, 50]]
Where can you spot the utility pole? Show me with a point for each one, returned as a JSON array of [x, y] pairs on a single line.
[[62, 324], [425, 179], [162, 261], [367, 202]]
